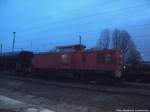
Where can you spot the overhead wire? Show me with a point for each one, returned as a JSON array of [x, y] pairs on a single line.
[[79, 18]]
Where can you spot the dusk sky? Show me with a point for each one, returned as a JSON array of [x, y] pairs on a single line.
[[40, 25]]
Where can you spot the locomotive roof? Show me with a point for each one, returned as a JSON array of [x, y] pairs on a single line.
[[71, 46], [74, 47], [87, 50]]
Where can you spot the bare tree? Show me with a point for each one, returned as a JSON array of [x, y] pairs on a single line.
[[104, 40], [134, 56], [122, 40]]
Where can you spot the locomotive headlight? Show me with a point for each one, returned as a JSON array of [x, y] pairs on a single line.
[[124, 67]]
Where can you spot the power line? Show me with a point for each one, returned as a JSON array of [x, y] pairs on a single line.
[[137, 27], [97, 5], [95, 14]]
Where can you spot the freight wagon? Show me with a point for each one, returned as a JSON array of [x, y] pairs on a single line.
[[17, 62]]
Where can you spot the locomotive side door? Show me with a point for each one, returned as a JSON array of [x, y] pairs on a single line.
[[76, 61]]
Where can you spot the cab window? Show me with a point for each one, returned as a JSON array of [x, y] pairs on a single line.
[[108, 59], [100, 58]]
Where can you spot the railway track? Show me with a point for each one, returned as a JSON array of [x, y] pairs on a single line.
[[125, 88]]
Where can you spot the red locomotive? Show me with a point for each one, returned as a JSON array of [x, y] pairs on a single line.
[[77, 60]]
